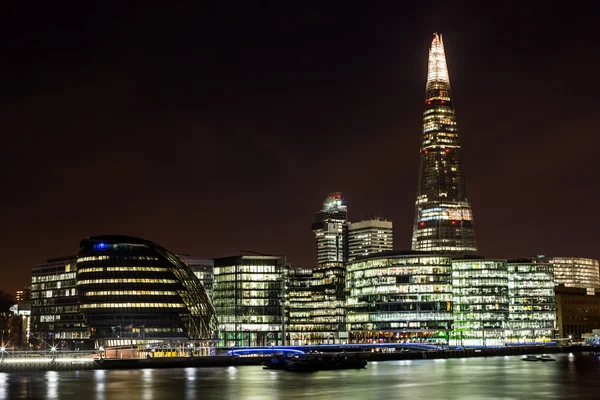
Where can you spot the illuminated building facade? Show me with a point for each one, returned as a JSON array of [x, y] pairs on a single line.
[[399, 296], [575, 272], [299, 306], [249, 298], [369, 237], [203, 269], [443, 215], [131, 290], [532, 309], [55, 316], [23, 294], [480, 294], [317, 305], [330, 229]]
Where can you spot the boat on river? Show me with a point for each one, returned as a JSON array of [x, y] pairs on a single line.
[[315, 362], [542, 358]]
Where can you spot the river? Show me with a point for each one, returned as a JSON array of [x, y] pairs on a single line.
[[571, 376]]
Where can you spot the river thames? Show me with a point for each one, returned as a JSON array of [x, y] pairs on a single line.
[[571, 376]]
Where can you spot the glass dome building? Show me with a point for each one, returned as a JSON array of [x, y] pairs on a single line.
[[131, 290]]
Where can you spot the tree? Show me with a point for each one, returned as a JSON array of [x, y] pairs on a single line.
[[6, 301]]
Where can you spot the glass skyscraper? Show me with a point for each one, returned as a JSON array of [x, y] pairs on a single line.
[[331, 228], [443, 216]]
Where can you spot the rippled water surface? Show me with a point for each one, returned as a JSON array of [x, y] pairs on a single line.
[[571, 376]]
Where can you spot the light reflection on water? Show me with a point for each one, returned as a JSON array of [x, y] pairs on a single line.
[[571, 376], [3, 385], [52, 384]]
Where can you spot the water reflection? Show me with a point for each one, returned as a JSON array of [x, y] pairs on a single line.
[[3, 385], [190, 385], [147, 387], [99, 376], [52, 384], [476, 378]]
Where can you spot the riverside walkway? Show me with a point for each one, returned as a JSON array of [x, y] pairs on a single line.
[[45, 361]]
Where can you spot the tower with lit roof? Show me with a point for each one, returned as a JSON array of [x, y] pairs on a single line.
[[330, 228], [443, 215]]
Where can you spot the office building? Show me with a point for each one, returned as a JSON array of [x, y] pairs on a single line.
[[577, 312], [133, 291], [23, 294], [249, 298], [203, 269], [480, 295], [317, 305], [443, 215], [55, 317], [399, 297], [299, 305], [576, 272], [369, 237], [330, 229], [532, 308]]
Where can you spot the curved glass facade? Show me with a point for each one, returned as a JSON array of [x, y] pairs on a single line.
[[399, 297], [575, 272], [132, 289]]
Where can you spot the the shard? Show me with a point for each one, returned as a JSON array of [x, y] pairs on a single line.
[[443, 216]]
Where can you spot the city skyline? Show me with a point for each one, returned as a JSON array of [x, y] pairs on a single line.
[[100, 139]]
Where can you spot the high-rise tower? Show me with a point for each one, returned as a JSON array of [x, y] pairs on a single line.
[[443, 216], [330, 229]]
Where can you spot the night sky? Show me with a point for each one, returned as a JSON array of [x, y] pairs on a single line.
[[211, 130]]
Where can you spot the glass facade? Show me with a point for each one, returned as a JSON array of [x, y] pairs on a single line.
[[330, 229], [480, 294], [133, 291], [399, 297], [575, 272], [203, 269], [369, 237], [532, 309], [249, 298], [317, 305], [55, 316], [443, 215]]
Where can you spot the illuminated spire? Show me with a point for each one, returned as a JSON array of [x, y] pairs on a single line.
[[437, 73], [443, 215]]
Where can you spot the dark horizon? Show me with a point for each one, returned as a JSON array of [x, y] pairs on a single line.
[[215, 130]]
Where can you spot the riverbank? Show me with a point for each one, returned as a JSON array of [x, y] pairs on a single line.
[[47, 364]]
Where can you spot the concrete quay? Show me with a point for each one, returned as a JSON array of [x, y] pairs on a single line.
[[45, 363]]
